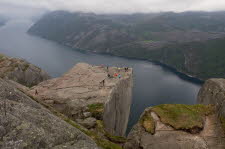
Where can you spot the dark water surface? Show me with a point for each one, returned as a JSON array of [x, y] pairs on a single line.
[[153, 84]]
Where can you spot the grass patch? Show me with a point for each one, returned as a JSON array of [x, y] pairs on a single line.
[[184, 117], [148, 122], [116, 139], [96, 110]]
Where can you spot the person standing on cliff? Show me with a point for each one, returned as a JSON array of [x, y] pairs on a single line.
[[36, 92], [103, 82]]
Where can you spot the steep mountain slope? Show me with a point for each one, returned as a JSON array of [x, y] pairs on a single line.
[[191, 42], [87, 31]]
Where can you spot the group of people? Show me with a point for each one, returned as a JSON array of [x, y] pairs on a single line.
[[115, 74]]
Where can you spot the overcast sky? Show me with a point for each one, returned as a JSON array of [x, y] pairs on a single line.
[[26, 7]]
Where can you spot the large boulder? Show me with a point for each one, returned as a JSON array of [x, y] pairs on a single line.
[[26, 124], [21, 71], [177, 127]]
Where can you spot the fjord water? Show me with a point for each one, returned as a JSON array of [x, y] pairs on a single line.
[[153, 84]]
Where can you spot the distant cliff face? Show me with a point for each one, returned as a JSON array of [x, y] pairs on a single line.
[[21, 71], [177, 127], [26, 124], [193, 43]]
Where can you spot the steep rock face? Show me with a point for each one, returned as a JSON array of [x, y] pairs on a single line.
[[26, 124], [213, 92], [21, 71], [177, 127], [81, 94]]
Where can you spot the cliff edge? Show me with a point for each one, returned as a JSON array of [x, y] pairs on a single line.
[[91, 94]]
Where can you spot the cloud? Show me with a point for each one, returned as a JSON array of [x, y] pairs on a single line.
[[117, 6]]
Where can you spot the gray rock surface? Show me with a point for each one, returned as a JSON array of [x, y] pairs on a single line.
[[82, 86], [88, 122], [166, 137], [213, 92], [26, 124], [21, 71]]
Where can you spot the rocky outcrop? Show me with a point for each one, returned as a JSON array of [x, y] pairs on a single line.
[[21, 71], [26, 124], [176, 127], [213, 92], [91, 91]]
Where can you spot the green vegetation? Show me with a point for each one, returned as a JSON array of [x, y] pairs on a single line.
[[148, 122], [116, 139], [184, 117], [96, 110]]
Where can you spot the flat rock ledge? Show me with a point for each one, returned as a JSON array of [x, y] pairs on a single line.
[[99, 92], [177, 127]]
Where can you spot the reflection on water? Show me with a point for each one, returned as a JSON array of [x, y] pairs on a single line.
[[153, 84]]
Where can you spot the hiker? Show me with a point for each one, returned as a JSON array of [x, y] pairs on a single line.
[[119, 76], [102, 82], [36, 92], [115, 75], [109, 76]]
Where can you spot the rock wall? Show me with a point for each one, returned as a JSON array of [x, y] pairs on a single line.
[[117, 108], [26, 124], [213, 92], [21, 71], [82, 95]]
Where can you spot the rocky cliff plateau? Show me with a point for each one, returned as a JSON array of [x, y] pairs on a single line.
[[87, 94]]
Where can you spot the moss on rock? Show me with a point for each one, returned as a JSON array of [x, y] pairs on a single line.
[[183, 117], [96, 110], [147, 122]]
